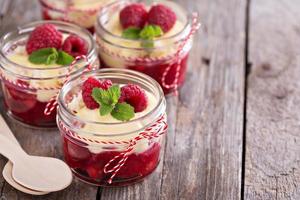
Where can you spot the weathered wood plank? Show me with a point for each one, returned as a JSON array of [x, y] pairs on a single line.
[[37, 141], [273, 139], [204, 146]]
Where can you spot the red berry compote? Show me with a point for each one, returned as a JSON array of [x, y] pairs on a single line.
[[35, 61], [146, 36], [106, 113]]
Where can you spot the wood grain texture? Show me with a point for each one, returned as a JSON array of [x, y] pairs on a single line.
[[203, 151], [36, 141], [273, 150], [202, 159]]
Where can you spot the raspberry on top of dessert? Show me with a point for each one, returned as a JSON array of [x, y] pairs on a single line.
[[139, 31], [104, 102], [101, 101], [35, 61], [47, 48]]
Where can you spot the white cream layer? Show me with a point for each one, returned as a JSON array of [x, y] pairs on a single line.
[[93, 115], [81, 12], [19, 56], [114, 26]]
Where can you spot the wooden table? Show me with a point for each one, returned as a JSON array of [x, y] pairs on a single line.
[[234, 128]]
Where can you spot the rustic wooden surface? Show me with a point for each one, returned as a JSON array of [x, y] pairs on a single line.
[[216, 147], [273, 131]]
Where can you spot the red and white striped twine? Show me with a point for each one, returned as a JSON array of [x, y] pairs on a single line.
[[154, 131], [194, 28], [176, 57], [52, 104]]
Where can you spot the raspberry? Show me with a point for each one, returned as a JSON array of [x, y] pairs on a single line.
[[162, 16], [87, 89], [75, 46], [133, 15], [135, 96], [106, 84], [44, 36]]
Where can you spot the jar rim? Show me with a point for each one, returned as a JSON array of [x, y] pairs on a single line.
[[46, 4], [27, 28], [103, 11], [102, 72]]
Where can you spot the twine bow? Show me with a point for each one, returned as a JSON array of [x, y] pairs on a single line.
[[154, 131], [157, 129]]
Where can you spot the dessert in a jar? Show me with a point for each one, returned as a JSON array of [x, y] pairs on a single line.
[[80, 12], [35, 61], [112, 123], [153, 37]]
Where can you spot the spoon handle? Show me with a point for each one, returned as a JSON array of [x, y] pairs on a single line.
[[11, 150], [5, 130]]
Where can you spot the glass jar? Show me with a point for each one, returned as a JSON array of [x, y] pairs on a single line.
[[166, 61], [27, 90], [95, 151], [80, 12]]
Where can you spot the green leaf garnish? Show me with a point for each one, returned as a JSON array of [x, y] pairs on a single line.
[[108, 97], [108, 101], [123, 112], [105, 109], [148, 33], [151, 31], [64, 58], [131, 33], [49, 56], [44, 56]]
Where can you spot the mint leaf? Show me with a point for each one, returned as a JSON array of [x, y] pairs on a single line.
[[148, 33], [131, 33], [44, 56], [109, 97], [96, 94], [49, 56], [64, 58], [114, 93], [151, 31], [108, 101], [105, 109], [123, 112], [51, 59]]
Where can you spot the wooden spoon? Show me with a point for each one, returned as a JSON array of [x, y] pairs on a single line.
[[35, 172], [7, 170]]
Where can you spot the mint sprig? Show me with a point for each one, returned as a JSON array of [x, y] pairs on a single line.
[[64, 58], [123, 112], [49, 56], [131, 33], [148, 33], [151, 31], [109, 103]]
